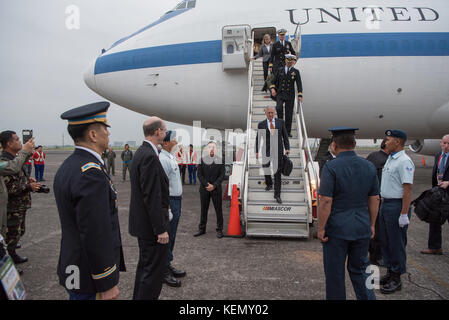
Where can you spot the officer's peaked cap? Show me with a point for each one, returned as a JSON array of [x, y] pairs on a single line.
[[282, 31], [338, 131], [90, 113]]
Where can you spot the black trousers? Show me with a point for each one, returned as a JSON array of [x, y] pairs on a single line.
[[150, 269], [182, 170], [435, 239], [289, 104], [277, 175], [205, 197], [265, 73]]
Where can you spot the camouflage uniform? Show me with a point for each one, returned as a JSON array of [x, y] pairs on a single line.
[[19, 201], [9, 167]]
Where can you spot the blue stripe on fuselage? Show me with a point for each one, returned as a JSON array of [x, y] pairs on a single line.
[[313, 46]]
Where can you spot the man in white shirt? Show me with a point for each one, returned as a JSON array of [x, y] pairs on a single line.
[[396, 193], [171, 169]]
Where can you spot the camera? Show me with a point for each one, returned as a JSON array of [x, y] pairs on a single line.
[[43, 189]]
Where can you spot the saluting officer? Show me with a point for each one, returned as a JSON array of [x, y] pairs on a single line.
[[279, 50], [348, 207], [283, 89], [87, 203], [394, 216]]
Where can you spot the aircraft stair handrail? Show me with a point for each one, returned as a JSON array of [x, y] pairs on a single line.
[[248, 130], [304, 145]]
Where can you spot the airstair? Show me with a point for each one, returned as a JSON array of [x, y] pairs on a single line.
[[262, 215]]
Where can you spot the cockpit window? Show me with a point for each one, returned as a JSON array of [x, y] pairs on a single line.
[[189, 4]]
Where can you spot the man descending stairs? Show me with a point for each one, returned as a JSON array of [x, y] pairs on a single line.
[[263, 214]]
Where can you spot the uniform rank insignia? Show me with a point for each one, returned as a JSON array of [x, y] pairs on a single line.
[[90, 165]]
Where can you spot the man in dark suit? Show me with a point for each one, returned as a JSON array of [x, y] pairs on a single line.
[[283, 89], [148, 212], [269, 130], [329, 156], [279, 50], [91, 253], [211, 173], [440, 177]]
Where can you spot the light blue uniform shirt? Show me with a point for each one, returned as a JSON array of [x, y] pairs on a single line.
[[398, 169], [171, 169]]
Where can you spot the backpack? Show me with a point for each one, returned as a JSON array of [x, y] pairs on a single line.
[[432, 206]]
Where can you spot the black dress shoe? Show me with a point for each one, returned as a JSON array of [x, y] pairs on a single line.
[[199, 233], [289, 135], [18, 259], [219, 234], [170, 280], [278, 199], [395, 284], [175, 272], [268, 188]]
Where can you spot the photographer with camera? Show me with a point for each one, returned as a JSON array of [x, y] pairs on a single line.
[[19, 188]]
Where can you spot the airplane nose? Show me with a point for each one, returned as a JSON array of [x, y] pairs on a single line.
[[89, 77]]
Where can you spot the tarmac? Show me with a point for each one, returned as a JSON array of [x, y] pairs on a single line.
[[227, 268]]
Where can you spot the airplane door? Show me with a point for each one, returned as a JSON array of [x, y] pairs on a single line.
[[236, 46], [296, 43]]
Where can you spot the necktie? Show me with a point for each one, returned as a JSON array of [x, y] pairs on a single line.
[[442, 164], [271, 127]]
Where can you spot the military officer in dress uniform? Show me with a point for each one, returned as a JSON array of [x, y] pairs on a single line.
[[91, 253], [283, 89], [348, 207], [394, 216], [279, 50]]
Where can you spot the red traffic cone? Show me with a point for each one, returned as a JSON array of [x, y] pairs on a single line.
[[423, 161], [234, 228]]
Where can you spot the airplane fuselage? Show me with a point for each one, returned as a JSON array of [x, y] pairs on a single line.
[[369, 67]]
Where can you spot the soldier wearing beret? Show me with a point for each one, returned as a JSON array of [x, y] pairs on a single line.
[[279, 50], [91, 253], [283, 89], [349, 203], [394, 216]]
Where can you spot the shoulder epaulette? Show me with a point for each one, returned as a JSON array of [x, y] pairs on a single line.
[[90, 165]]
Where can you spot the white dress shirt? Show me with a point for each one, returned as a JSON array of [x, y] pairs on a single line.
[[152, 145], [398, 170], [94, 153], [171, 169]]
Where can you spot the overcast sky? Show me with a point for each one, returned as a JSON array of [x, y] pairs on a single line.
[[42, 62]]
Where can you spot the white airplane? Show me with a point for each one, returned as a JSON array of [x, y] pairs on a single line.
[[371, 67]]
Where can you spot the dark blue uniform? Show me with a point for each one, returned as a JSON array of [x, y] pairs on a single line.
[[349, 180], [87, 205]]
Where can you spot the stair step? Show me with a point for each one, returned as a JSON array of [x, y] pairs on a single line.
[[287, 195], [295, 159], [256, 182], [272, 217], [287, 230], [261, 116], [255, 123], [260, 105], [257, 170]]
